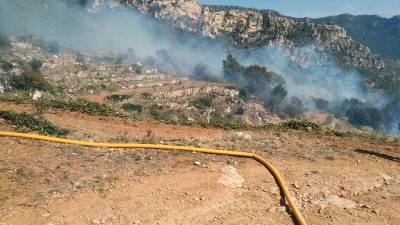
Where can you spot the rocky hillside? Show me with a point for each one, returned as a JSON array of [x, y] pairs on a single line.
[[382, 35], [248, 28]]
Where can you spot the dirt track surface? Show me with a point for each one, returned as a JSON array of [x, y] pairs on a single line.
[[334, 180]]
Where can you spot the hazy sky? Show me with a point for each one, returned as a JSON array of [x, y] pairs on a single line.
[[319, 8]]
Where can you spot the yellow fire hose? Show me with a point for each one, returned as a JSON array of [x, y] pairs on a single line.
[[272, 170]]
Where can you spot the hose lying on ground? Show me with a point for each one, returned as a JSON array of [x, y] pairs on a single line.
[[300, 219]]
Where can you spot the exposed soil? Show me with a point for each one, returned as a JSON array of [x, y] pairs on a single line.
[[334, 180]]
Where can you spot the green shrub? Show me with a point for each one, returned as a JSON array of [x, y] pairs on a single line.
[[372, 117], [83, 106], [24, 120], [227, 123], [137, 69], [118, 98], [293, 112], [16, 97], [36, 64], [132, 107], [154, 111], [7, 66], [329, 157], [301, 125], [240, 111], [203, 102], [147, 95], [30, 79]]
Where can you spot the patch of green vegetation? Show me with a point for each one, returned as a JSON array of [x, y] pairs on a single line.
[[7, 66], [129, 107], [118, 98], [154, 111], [147, 95], [36, 64], [135, 156], [119, 139], [19, 97], [329, 157], [83, 106], [227, 123], [301, 125], [24, 120], [203, 102], [30, 79]]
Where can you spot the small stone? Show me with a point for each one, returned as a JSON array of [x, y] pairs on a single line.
[[376, 212], [96, 221], [45, 215], [365, 206], [197, 163], [230, 177], [296, 185]]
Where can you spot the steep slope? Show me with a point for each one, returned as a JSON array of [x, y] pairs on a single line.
[[382, 35], [250, 28]]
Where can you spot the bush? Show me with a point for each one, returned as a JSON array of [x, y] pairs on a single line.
[[203, 102], [147, 95], [154, 111], [232, 69], [137, 69], [240, 111], [227, 123], [132, 107], [7, 66], [21, 97], [36, 64], [23, 120], [4, 41], [118, 98], [244, 94], [341, 110], [83, 106], [30, 79], [301, 125], [372, 117], [293, 111]]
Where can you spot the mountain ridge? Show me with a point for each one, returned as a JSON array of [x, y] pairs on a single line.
[[381, 34]]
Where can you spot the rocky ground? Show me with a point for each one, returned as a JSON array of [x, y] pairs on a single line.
[[334, 180]]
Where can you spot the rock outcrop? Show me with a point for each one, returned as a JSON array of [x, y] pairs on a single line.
[[250, 28]]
